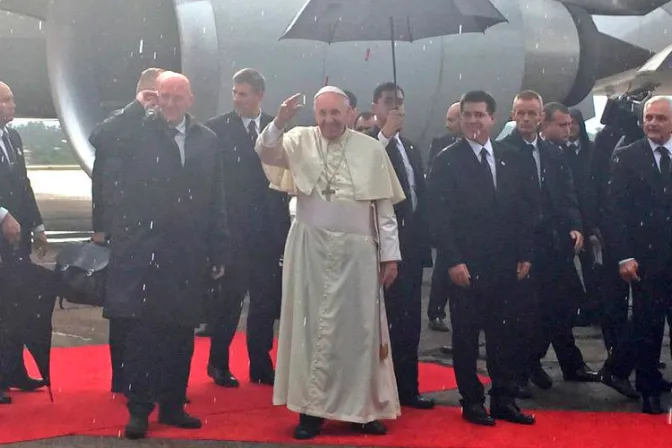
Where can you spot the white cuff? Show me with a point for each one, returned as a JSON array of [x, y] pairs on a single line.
[[39, 229], [3, 212], [383, 140], [622, 262], [271, 134]]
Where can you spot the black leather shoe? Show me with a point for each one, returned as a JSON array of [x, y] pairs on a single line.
[[620, 385], [222, 378], [419, 402], [439, 325], [374, 428], [510, 412], [136, 428], [25, 384], [522, 391], [476, 414], [4, 399], [308, 428], [583, 375], [651, 405], [540, 378], [179, 419], [266, 378]]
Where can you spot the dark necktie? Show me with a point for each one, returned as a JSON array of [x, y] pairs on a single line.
[[252, 131], [9, 149], [486, 167], [664, 164], [529, 154]]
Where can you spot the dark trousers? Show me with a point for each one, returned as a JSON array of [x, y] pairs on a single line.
[[489, 308], [118, 332], [262, 277], [591, 303], [157, 366], [403, 306], [617, 328], [438, 292], [651, 300], [557, 290]]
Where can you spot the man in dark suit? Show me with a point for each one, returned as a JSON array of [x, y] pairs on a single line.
[[22, 225], [168, 236], [103, 198], [557, 236], [258, 221], [637, 228], [403, 298], [481, 211], [579, 154]]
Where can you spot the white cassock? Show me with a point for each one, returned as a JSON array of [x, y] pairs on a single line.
[[333, 322]]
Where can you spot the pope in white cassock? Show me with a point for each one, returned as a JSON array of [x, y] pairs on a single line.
[[334, 360]]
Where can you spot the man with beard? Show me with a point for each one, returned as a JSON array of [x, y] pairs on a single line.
[[168, 234]]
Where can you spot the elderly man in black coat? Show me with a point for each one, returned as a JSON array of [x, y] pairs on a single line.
[[169, 235]]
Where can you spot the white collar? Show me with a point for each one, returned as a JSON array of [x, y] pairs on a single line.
[[655, 146], [477, 147], [247, 120], [182, 127]]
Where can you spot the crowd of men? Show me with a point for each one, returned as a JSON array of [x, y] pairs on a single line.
[[193, 227]]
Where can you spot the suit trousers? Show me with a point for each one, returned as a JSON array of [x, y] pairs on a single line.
[[557, 292], [491, 308], [651, 299], [118, 332], [261, 275], [438, 292], [157, 365], [617, 328], [403, 303]]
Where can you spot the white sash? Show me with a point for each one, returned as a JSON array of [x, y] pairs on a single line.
[[354, 217]]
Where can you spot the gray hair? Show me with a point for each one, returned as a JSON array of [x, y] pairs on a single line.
[[658, 99]]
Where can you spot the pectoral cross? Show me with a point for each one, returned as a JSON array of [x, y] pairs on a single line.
[[328, 192]]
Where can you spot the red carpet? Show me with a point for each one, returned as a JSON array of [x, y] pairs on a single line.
[[83, 406]]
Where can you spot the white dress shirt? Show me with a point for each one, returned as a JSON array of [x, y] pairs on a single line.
[[180, 137], [410, 174], [477, 147], [2, 143], [537, 156], [257, 123]]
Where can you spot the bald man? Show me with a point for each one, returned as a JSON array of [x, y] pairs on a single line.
[[639, 206], [21, 225], [334, 353], [453, 128], [168, 232]]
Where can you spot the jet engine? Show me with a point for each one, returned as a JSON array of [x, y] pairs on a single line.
[[80, 59]]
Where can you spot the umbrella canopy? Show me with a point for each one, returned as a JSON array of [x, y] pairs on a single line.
[[368, 20]]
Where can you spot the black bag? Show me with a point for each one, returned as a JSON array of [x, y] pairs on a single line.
[[81, 272]]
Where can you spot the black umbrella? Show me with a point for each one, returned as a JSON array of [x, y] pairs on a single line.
[[394, 20]]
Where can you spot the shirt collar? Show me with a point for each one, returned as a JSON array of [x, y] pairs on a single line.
[[477, 147], [182, 127], [655, 146], [257, 121]]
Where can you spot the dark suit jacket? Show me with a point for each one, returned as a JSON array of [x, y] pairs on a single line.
[[103, 189], [169, 223], [258, 216], [581, 166], [438, 144], [557, 203], [16, 194], [489, 233], [638, 211], [413, 227]]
